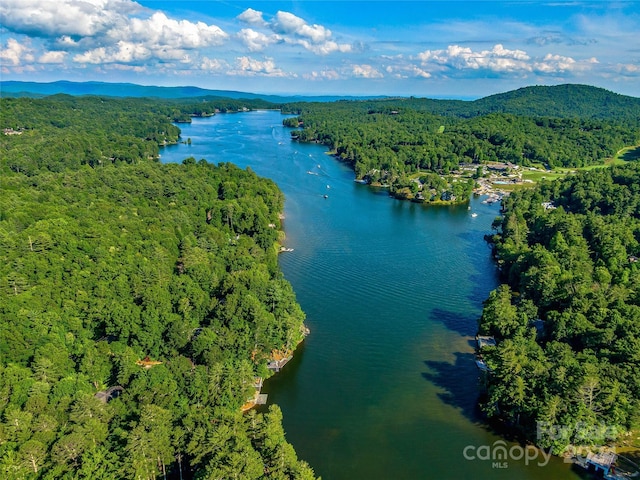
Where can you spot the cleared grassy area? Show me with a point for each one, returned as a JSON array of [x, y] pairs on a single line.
[[536, 176], [627, 154]]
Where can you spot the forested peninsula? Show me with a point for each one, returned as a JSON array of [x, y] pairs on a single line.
[[430, 150], [140, 301]]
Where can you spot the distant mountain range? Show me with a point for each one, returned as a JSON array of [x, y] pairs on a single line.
[[31, 89], [569, 100]]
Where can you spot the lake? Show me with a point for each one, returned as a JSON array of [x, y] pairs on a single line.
[[386, 385]]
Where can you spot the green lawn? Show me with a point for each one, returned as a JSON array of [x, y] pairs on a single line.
[[536, 176], [627, 155]]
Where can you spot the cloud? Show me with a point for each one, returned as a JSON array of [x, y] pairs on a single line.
[[498, 59], [554, 38], [288, 23], [252, 17], [322, 75], [365, 71], [628, 69], [247, 66], [256, 41], [561, 64], [123, 52], [403, 71], [108, 31], [315, 38], [213, 65], [161, 30], [47, 18], [288, 28], [52, 57], [16, 53], [325, 48]]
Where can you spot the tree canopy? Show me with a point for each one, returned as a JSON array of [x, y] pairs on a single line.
[[139, 302], [389, 141], [567, 317]]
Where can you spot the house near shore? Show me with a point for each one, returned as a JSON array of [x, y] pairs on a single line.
[[276, 365], [447, 196], [279, 359], [485, 341]]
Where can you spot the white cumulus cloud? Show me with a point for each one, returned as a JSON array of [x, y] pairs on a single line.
[[498, 59], [287, 28], [161, 30], [52, 57], [123, 52], [107, 31], [327, 74], [64, 17], [561, 64], [251, 67], [365, 71], [256, 41], [16, 53], [213, 65], [252, 17], [288, 23]]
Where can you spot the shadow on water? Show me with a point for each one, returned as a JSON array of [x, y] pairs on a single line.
[[464, 324], [455, 379], [461, 383], [481, 286]]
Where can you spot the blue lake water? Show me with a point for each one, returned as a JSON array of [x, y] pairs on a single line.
[[386, 385]]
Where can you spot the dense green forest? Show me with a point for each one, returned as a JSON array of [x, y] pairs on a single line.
[[62, 131], [567, 318], [390, 141], [139, 301]]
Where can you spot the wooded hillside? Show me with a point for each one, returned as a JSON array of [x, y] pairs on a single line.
[[140, 301], [567, 318], [388, 141]]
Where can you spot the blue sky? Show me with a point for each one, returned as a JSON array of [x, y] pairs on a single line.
[[453, 49]]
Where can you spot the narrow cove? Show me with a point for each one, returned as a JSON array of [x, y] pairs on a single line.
[[385, 386]]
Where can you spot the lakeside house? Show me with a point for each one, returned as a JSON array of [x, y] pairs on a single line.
[[277, 363], [485, 341]]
